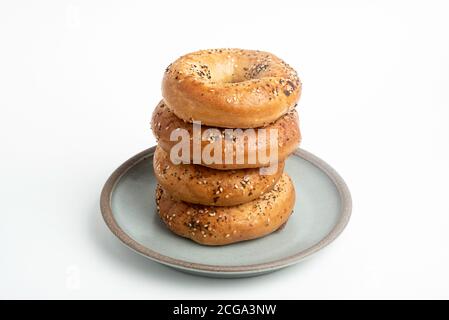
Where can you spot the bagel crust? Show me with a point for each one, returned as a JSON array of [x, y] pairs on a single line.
[[211, 225], [201, 185], [230, 88], [164, 122]]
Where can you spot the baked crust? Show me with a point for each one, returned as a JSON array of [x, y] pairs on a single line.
[[164, 122], [201, 185], [230, 88], [214, 226]]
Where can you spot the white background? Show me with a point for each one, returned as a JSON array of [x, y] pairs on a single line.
[[79, 80]]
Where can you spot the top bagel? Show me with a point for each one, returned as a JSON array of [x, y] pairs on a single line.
[[230, 88]]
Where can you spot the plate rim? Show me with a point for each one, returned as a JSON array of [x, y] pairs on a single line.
[[108, 217]]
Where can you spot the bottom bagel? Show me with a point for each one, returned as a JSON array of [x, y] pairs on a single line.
[[214, 226]]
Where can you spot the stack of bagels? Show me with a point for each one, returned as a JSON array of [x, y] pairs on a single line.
[[222, 202]]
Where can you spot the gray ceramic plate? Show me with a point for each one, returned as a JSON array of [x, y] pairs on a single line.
[[322, 210]]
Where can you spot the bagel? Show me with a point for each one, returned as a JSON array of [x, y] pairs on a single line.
[[164, 122], [201, 185], [210, 225], [230, 88]]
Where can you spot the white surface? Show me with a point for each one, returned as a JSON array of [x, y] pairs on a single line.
[[79, 79]]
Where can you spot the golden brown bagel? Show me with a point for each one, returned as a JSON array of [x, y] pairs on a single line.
[[230, 88], [224, 225], [201, 185], [164, 122]]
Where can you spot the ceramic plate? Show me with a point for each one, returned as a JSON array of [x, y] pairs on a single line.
[[322, 210]]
